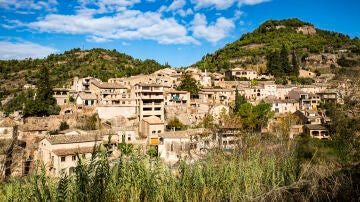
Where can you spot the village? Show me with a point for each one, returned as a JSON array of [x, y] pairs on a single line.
[[136, 110]]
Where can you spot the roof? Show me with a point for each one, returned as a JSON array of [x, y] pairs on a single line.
[[315, 127], [153, 120], [60, 89], [271, 100], [67, 139], [87, 96], [150, 84], [106, 85], [181, 134], [216, 90], [176, 91], [80, 150]]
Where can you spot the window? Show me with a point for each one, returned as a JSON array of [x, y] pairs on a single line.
[[73, 157], [159, 131], [62, 158]]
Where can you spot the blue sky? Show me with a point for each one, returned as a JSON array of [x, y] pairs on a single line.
[[177, 32]]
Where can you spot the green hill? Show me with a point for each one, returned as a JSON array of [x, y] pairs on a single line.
[[297, 36], [99, 63]]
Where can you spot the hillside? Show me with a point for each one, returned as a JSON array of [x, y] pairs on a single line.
[[297, 36], [97, 62]]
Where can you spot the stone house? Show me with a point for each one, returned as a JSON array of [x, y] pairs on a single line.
[[82, 84], [112, 94], [316, 131], [308, 117], [283, 106], [86, 99], [172, 145], [60, 153], [217, 96], [150, 128], [218, 80], [241, 73], [306, 74], [150, 100], [8, 128]]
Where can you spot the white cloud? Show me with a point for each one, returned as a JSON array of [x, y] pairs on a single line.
[[224, 4], [106, 6], [129, 24], [96, 39], [213, 32], [20, 5], [176, 4], [23, 49], [218, 4], [251, 2]]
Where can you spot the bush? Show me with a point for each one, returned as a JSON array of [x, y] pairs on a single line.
[[63, 125]]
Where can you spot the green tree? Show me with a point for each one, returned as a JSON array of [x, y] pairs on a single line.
[[175, 123], [189, 84], [239, 100], [295, 64], [284, 60], [44, 103]]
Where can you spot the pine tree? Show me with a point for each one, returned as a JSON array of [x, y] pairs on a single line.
[[295, 64], [284, 60], [189, 84], [44, 103], [239, 100]]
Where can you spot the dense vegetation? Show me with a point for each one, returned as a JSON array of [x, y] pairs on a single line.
[[100, 63], [252, 47], [97, 62]]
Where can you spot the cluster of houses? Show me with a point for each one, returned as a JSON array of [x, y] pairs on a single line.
[[136, 110]]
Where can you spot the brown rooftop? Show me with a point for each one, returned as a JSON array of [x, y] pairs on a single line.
[[73, 151], [108, 85], [67, 139]]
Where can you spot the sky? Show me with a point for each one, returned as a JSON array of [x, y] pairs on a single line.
[[176, 32]]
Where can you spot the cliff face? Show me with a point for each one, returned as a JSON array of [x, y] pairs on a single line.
[[307, 30]]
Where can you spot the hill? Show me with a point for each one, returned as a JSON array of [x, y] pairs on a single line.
[[96, 62], [297, 36]]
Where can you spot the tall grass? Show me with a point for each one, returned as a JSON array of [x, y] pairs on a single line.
[[259, 173]]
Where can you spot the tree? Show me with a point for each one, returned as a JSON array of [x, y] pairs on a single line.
[[284, 60], [44, 103], [189, 84], [295, 64], [175, 123], [239, 100]]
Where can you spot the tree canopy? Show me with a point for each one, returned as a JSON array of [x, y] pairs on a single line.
[[188, 83]]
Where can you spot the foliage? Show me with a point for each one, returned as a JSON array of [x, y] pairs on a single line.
[[97, 62], [239, 100], [188, 84], [44, 104], [175, 123], [18, 102], [255, 117], [257, 174], [126, 149], [64, 125], [270, 37]]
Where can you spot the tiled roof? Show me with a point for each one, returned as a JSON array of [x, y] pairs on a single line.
[[108, 85], [87, 96], [181, 134], [153, 119], [315, 127], [66, 139], [72, 151]]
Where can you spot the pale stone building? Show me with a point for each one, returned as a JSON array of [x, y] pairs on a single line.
[[242, 73], [60, 153]]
